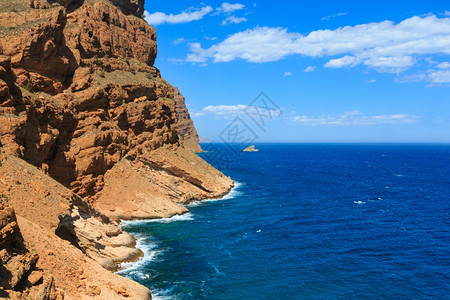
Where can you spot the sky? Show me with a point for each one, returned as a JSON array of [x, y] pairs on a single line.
[[309, 71]]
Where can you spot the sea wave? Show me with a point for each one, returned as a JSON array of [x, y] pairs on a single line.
[[148, 248], [234, 192], [184, 217]]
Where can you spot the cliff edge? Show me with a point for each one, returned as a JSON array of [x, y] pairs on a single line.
[[90, 133]]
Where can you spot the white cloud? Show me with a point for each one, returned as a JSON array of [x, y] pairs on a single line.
[[233, 20], [158, 18], [287, 74], [334, 16], [443, 65], [355, 118], [228, 7], [224, 110], [447, 13], [434, 77], [439, 76], [178, 41], [384, 46], [309, 69], [345, 61]]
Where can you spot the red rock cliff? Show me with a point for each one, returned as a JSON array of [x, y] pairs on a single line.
[[90, 133]]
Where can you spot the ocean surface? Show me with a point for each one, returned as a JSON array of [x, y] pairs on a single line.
[[309, 221]]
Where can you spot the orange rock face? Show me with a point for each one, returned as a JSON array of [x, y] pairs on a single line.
[[186, 129], [89, 133]]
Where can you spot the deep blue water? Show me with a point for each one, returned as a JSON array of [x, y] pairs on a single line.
[[310, 221]]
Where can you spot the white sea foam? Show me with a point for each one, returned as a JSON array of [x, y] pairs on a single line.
[[184, 217], [132, 269], [160, 295], [359, 202], [148, 248], [232, 194]]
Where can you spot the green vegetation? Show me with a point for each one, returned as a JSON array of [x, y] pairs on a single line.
[[132, 71], [149, 75], [101, 73], [126, 60], [28, 87]]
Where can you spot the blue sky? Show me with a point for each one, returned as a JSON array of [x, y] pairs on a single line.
[[339, 71]]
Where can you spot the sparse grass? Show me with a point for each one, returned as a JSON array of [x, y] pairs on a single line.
[[20, 6], [149, 76], [28, 87], [101, 73], [95, 57], [162, 80], [121, 77], [106, 56], [132, 71], [126, 60]]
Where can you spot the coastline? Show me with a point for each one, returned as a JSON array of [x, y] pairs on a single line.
[[148, 248]]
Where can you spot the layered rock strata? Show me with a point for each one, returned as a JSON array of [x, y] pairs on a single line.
[[90, 133]]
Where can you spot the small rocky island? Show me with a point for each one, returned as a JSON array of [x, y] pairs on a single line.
[[250, 149]]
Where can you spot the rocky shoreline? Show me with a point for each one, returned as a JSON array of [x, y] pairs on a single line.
[[90, 134]]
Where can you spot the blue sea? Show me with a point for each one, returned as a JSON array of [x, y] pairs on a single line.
[[309, 221]]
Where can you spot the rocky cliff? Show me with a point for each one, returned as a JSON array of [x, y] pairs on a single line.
[[186, 129], [90, 133]]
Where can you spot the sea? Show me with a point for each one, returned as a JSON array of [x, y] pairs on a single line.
[[308, 221]]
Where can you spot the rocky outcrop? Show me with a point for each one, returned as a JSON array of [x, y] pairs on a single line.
[[154, 185], [186, 129], [19, 274], [45, 202], [64, 270], [250, 148], [101, 29]]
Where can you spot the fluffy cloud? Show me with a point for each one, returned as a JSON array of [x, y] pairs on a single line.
[[233, 20], [309, 69], [439, 76], [384, 46], [225, 110], [355, 118], [287, 74], [229, 8], [158, 18], [443, 65]]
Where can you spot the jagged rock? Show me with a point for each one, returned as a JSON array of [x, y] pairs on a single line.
[[9, 92], [16, 263], [135, 7], [100, 29], [59, 210], [250, 148], [39, 4], [40, 53], [186, 128]]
